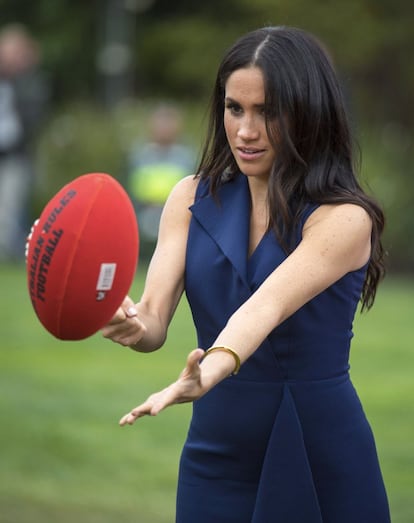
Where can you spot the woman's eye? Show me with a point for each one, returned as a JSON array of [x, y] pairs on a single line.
[[266, 112], [234, 108]]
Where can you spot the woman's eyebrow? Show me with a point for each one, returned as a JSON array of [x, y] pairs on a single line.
[[228, 99]]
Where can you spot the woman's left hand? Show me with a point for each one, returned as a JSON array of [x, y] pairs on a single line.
[[187, 388]]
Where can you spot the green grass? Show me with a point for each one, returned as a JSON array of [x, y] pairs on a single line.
[[64, 458], [382, 369]]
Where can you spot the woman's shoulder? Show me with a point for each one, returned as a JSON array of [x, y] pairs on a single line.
[[341, 232], [339, 214], [184, 191]]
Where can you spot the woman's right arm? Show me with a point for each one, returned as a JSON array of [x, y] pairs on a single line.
[[143, 326]]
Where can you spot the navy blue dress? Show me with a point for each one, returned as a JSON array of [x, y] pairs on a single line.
[[286, 440]]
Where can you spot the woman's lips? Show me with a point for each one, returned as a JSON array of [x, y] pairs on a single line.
[[250, 153]]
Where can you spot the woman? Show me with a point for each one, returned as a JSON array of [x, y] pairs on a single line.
[[274, 243]]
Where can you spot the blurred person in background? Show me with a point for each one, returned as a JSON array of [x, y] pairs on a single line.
[[23, 100], [154, 167]]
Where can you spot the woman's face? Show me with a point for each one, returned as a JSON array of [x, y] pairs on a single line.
[[244, 122]]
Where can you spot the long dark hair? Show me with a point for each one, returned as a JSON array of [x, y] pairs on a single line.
[[307, 124]]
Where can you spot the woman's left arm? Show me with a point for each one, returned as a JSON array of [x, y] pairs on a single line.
[[336, 239]]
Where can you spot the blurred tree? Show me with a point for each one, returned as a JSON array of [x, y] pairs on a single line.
[[67, 31], [175, 48], [177, 44], [370, 40]]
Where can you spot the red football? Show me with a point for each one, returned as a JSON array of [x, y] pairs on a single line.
[[82, 256]]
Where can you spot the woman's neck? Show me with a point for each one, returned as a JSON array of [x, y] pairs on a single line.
[[259, 213]]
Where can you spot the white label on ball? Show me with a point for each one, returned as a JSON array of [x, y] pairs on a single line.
[[106, 277]]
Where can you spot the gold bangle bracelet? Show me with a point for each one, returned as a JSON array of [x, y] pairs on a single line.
[[229, 351]]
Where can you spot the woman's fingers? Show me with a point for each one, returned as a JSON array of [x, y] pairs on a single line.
[[125, 327], [118, 317], [186, 388], [192, 368], [126, 310], [151, 407], [138, 412]]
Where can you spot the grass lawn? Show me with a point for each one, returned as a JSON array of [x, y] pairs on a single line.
[[64, 458]]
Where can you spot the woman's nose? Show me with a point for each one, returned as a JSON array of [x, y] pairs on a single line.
[[248, 129]]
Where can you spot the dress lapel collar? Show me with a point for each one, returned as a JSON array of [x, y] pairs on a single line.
[[226, 220]]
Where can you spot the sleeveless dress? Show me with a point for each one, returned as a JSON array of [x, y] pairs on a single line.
[[286, 440]]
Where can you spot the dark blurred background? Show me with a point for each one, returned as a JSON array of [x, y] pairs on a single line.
[[101, 66]]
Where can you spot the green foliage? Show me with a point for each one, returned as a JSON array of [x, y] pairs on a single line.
[[385, 171], [79, 139], [65, 459], [177, 44], [83, 137], [176, 47], [170, 56]]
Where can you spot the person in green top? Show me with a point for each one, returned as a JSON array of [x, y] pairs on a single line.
[[154, 169]]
